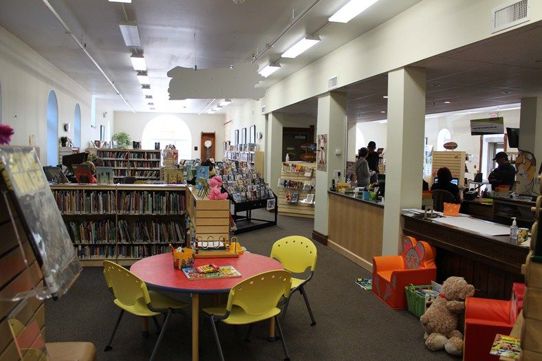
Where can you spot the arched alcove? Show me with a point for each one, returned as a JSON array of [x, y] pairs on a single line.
[[443, 136], [77, 126], [1, 115], [168, 129], [52, 129]]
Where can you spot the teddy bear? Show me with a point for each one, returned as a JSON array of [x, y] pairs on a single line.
[[440, 321], [215, 192]]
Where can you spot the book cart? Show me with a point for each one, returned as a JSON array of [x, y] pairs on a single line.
[[123, 223], [248, 191]]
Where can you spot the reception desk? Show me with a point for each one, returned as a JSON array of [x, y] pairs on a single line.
[[355, 227], [490, 263]]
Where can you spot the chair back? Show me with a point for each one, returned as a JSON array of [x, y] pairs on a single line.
[[440, 196], [260, 293], [127, 287], [296, 253], [417, 254]]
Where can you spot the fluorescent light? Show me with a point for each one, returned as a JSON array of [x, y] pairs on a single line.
[[349, 11], [143, 77], [130, 34], [225, 102], [138, 62], [121, 1], [300, 47], [268, 70]]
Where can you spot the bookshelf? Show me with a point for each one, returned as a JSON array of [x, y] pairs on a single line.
[[296, 189], [139, 163], [121, 222]]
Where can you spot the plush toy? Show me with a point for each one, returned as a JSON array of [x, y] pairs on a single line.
[[5, 133], [441, 319], [215, 193]]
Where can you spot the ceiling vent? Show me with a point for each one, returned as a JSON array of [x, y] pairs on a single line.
[[332, 82], [509, 14]]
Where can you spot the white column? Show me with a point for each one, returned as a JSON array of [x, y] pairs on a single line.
[[404, 153], [530, 127], [332, 122], [273, 151]]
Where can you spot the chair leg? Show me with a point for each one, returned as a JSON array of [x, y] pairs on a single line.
[[217, 340], [249, 331], [109, 347], [160, 336], [281, 335], [302, 290], [158, 328], [285, 307]]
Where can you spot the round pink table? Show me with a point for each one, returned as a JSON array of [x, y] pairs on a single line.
[[159, 274]]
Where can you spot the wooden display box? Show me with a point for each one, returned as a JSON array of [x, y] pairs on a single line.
[[531, 335], [210, 218], [532, 303]]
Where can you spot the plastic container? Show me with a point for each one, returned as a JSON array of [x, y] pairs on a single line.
[[514, 231], [419, 298]]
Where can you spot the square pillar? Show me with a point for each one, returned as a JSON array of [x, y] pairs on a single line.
[[404, 153], [331, 121], [273, 149], [530, 127]]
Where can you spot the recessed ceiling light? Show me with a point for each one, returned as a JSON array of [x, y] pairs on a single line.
[[349, 11], [300, 47], [225, 102], [146, 89], [150, 103], [447, 102], [130, 34], [143, 77], [268, 70], [152, 108], [148, 96], [383, 111], [121, 1], [138, 62], [385, 97]]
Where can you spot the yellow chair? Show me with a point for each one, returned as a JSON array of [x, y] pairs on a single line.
[[297, 254], [132, 296], [252, 300]]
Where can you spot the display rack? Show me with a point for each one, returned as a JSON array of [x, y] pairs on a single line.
[[248, 191], [296, 189], [241, 153], [121, 222], [138, 163]]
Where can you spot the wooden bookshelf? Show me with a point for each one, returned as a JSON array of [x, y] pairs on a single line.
[[142, 164], [208, 220], [300, 180], [121, 222]]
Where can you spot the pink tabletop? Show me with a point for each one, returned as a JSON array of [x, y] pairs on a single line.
[[158, 272]]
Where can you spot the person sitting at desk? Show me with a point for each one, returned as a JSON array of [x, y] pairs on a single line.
[[505, 173], [444, 177]]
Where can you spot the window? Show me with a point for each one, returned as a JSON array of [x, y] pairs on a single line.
[[168, 129], [1, 104], [52, 129], [77, 126]]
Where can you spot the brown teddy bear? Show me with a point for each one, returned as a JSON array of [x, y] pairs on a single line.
[[441, 319]]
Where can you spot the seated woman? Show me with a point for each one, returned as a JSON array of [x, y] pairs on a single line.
[[445, 183], [85, 172]]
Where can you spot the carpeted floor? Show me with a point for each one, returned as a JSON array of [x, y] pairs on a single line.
[[351, 323]]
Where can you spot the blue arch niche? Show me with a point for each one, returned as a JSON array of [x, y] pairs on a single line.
[[77, 126], [52, 129]]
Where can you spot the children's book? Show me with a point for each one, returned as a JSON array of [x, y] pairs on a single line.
[[364, 283], [506, 346], [104, 175], [202, 173], [223, 272]]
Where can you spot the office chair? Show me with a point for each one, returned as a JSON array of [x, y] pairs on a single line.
[[253, 300], [297, 254], [440, 196], [131, 295]]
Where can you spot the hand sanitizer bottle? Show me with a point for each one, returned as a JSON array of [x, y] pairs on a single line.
[[514, 231]]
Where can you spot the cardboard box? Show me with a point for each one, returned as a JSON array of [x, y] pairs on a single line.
[[532, 303]]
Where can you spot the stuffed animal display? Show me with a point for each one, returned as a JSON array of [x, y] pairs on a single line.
[[441, 320], [215, 192]]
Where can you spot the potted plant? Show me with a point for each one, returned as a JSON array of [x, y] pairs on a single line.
[[122, 139]]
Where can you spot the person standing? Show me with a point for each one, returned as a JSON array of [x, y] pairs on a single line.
[[373, 158], [504, 174], [363, 174]]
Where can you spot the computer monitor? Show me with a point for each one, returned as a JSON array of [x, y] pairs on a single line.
[[77, 158], [453, 181], [513, 137]]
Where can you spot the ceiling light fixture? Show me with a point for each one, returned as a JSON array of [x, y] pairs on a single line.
[[385, 97], [143, 77], [130, 34], [447, 102], [349, 11], [268, 70], [146, 89], [138, 62], [121, 1], [148, 96], [225, 102], [300, 47]]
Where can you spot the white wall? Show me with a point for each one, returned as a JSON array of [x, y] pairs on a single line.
[[26, 79], [244, 114], [134, 124], [428, 28]]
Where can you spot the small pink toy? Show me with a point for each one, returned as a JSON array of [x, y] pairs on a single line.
[[215, 193], [5, 133]]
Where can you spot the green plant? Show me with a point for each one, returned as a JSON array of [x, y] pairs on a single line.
[[123, 139]]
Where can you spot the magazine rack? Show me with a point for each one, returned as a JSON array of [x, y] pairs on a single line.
[[245, 223]]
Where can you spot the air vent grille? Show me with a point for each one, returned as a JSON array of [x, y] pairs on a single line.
[[509, 15], [332, 82]]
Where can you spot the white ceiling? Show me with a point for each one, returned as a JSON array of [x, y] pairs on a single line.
[[186, 33]]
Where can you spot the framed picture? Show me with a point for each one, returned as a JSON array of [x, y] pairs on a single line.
[[236, 136], [252, 134], [270, 204], [244, 136]]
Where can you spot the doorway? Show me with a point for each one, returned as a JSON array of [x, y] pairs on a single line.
[[208, 146]]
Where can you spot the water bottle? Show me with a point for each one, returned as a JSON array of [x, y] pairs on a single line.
[[514, 231]]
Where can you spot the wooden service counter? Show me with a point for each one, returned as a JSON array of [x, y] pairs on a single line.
[[490, 263], [355, 228]]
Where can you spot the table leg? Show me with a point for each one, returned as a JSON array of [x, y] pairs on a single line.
[[272, 328], [195, 327]]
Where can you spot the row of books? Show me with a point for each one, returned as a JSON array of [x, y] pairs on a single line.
[[305, 186], [121, 251], [243, 183], [136, 173], [298, 169], [99, 252], [153, 231], [125, 202], [250, 147], [239, 156], [129, 155], [92, 232]]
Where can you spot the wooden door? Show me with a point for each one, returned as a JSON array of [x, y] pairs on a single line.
[[208, 146]]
